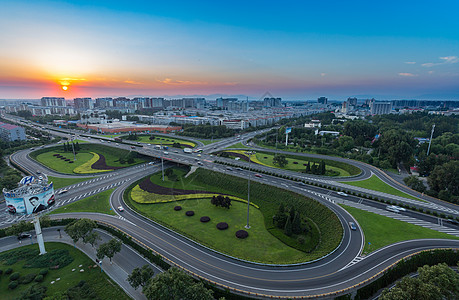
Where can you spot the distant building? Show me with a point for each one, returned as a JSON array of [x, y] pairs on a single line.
[[344, 107], [83, 103], [313, 124], [104, 102], [223, 103], [10, 133], [352, 101], [322, 100], [52, 101], [380, 108], [272, 102]]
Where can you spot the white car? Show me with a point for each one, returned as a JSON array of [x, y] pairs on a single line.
[[120, 208], [399, 208], [342, 194], [62, 191], [392, 208]]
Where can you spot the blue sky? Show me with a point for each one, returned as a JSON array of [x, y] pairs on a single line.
[[294, 49]]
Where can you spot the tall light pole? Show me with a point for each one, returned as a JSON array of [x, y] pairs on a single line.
[[248, 192], [73, 149], [430, 141], [162, 160]]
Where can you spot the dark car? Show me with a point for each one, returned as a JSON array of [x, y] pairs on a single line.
[[452, 221], [22, 236]]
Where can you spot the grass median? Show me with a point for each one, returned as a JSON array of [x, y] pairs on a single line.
[[63, 182], [376, 184], [381, 231], [99, 203]]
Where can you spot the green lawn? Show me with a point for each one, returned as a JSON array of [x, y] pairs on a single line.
[[99, 203], [381, 231], [208, 142], [168, 141], [327, 230], [100, 282], [112, 157], [376, 184], [63, 182], [238, 145], [60, 165], [259, 246], [295, 163]]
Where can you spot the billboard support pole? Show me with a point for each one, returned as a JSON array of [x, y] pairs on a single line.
[[41, 243]]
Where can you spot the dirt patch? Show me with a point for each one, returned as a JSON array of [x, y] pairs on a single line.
[[101, 165]]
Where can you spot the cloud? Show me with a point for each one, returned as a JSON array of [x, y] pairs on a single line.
[[410, 62], [407, 74], [430, 72], [445, 60], [132, 82], [180, 82], [323, 74]]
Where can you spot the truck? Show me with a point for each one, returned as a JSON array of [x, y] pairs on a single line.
[[117, 139], [187, 150]]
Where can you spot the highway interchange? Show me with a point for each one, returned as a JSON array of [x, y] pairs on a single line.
[[336, 273]]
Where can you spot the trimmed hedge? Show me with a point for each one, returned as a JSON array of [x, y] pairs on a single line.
[[15, 276], [242, 234], [12, 285], [222, 226], [204, 219], [189, 213], [8, 271], [39, 278], [177, 208]]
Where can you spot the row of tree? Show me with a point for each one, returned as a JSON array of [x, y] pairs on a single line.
[[69, 147], [288, 220]]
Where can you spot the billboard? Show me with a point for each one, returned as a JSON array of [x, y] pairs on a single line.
[[37, 199], [288, 130]]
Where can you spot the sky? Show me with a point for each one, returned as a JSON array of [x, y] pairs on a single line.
[[296, 50]]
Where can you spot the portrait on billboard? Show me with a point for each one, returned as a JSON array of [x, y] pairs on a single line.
[[35, 205]]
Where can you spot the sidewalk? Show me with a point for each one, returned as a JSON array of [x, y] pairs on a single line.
[[122, 263]]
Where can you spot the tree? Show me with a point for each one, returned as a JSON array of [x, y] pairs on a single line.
[[445, 177], [79, 229], [19, 228], [308, 167], [414, 183], [109, 249], [280, 160], [91, 238], [434, 282], [175, 285], [296, 224], [151, 138], [280, 218], [322, 167], [288, 230], [140, 276]]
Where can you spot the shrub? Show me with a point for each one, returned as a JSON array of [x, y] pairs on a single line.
[[27, 278], [301, 240], [177, 208], [12, 285], [204, 219], [222, 226], [14, 276], [241, 234], [8, 271], [39, 278], [1, 272], [43, 272], [189, 213]]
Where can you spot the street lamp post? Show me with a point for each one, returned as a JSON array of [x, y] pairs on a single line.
[[248, 192]]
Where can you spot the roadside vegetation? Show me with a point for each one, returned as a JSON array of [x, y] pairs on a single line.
[[158, 140], [28, 275], [321, 235], [381, 231], [63, 182]]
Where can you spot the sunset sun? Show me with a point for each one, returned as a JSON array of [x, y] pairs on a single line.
[[64, 87]]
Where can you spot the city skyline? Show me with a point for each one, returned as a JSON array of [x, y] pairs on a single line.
[[294, 50]]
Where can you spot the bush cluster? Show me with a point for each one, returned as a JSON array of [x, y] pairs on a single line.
[[204, 219], [242, 234], [14, 276], [8, 271], [222, 226], [27, 278], [12, 285], [39, 278], [189, 213]]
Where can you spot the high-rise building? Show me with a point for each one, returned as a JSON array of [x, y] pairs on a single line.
[[272, 102], [10, 133], [83, 103], [104, 102], [224, 102], [352, 101], [380, 108], [53, 101], [322, 100]]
